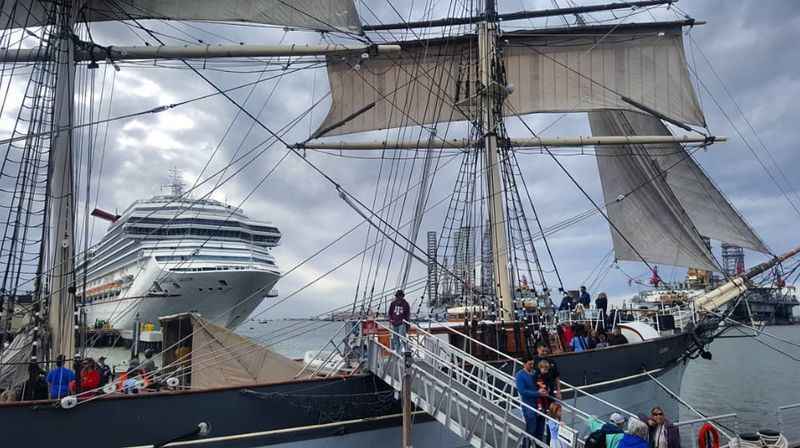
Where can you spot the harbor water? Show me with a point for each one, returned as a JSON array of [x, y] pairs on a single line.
[[750, 378]]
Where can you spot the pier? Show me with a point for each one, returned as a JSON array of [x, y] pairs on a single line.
[[109, 337]]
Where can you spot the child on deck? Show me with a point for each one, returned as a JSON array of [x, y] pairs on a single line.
[[554, 425]]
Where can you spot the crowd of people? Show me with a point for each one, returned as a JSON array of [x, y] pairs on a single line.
[[583, 301], [538, 384], [579, 337], [84, 378]]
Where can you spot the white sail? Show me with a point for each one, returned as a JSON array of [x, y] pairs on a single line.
[[566, 73], [650, 222], [712, 214], [413, 87], [585, 71], [323, 15]]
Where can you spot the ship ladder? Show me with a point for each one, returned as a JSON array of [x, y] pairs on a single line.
[[470, 397]]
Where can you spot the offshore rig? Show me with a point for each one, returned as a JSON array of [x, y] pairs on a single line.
[[771, 304]]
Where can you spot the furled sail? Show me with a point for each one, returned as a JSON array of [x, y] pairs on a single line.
[[641, 204], [712, 214], [582, 69], [322, 15], [14, 362]]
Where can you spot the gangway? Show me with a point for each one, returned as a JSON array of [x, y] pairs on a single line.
[[475, 400]]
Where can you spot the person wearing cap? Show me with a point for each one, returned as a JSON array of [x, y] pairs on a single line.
[[399, 313], [105, 371], [59, 378], [613, 429]]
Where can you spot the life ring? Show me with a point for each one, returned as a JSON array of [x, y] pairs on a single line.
[[702, 436]]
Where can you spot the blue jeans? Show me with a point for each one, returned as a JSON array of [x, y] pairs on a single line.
[[398, 343], [534, 425]]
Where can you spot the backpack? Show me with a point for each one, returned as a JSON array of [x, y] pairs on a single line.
[[597, 439]]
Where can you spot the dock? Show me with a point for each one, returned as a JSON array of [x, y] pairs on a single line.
[[110, 337]]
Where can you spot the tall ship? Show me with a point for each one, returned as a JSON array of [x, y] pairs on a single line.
[[171, 254], [436, 91]]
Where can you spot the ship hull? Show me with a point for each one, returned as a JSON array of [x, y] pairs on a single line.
[[352, 411], [224, 297]]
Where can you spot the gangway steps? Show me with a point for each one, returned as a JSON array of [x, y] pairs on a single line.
[[469, 414], [472, 398]]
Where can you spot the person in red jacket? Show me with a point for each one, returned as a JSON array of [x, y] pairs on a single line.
[[90, 377]]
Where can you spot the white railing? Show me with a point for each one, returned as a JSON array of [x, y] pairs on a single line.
[[342, 357], [695, 424], [518, 364], [469, 381]]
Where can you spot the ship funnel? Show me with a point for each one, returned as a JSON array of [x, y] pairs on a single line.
[[102, 214]]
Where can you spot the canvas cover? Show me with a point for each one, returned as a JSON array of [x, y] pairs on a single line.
[[221, 357]]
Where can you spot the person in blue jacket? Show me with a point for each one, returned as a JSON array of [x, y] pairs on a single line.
[[59, 378], [529, 393], [636, 436]]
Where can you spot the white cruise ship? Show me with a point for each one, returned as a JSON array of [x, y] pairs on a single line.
[[171, 254]]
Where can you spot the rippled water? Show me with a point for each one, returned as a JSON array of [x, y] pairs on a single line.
[[750, 379]]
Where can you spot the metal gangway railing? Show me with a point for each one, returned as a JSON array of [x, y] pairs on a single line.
[[475, 400]]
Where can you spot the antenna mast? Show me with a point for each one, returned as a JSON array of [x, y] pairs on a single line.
[[175, 185], [491, 112]]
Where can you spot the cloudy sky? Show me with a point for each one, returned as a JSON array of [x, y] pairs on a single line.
[[750, 45]]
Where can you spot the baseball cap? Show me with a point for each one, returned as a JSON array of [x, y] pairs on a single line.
[[617, 418]]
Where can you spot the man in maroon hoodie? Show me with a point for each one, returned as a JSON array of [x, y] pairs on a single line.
[[399, 312]]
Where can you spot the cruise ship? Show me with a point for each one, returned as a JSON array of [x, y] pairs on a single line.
[[172, 254]]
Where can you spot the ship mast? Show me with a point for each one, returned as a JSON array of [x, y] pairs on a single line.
[[61, 286], [491, 103]]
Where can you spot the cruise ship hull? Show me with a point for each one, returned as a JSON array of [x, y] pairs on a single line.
[[358, 410], [175, 254], [224, 297]]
